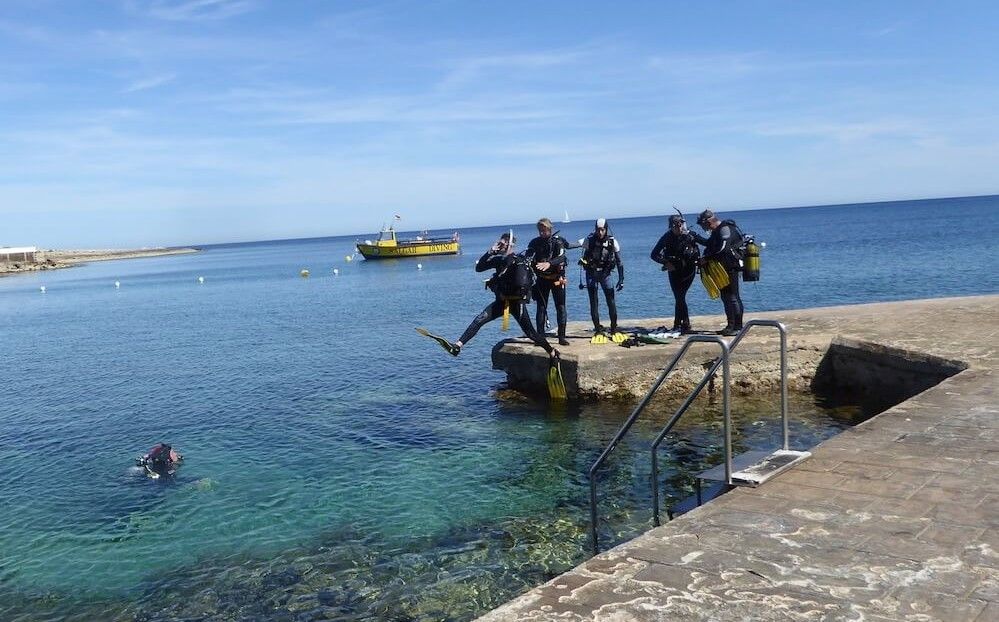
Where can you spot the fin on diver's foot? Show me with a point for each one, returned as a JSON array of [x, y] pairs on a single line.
[[599, 338], [451, 348]]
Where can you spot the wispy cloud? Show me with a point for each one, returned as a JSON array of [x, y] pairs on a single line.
[[470, 69], [890, 28], [848, 132], [286, 106], [192, 10], [149, 83]]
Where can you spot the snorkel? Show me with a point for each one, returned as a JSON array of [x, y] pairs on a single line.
[[683, 221]]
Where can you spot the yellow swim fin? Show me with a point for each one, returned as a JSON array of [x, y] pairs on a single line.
[[718, 273], [709, 284], [556, 385], [599, 338], [619, 337]]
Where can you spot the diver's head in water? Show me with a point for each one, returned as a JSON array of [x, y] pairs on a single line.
[[161, 460]]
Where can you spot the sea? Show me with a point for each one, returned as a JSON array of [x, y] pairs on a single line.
[[338, 465]]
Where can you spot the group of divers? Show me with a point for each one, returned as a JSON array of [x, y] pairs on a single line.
[[539, 272]]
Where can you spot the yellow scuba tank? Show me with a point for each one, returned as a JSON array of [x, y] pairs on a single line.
[[751, 263]]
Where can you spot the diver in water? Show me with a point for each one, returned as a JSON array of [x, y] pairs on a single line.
[[725, 245], [601, 255], [161, 460], [511, 283], [677, 251], [547, 255]]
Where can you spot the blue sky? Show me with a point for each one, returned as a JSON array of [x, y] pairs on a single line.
[[146, 122]]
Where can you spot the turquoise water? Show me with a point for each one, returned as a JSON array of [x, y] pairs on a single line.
[[339, 466]]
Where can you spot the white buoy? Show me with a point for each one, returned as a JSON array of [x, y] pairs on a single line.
[[763, 244], [117, 284], [42, 289], [419, 266], [336, 272], [201, 279], [349, 258]]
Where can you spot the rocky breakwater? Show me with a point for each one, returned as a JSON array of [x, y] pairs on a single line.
[[54, 259]]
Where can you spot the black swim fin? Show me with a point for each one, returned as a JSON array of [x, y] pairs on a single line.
[[451, 348]]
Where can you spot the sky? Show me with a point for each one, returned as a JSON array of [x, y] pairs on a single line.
[[128, 123]]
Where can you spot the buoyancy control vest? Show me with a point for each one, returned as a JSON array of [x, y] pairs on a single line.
[[514, 280], [601, 255]]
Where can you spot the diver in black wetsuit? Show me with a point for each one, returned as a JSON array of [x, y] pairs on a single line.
[[601, 255], [723, 245], [677, 251], [162, 460], [547, 255], [512, 286]]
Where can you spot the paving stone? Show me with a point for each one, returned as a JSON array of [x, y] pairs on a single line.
[[915, 602]]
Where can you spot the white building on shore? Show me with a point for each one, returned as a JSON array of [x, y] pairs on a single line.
[[18, 254]]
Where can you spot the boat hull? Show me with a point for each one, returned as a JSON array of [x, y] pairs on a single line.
[[416, 249]]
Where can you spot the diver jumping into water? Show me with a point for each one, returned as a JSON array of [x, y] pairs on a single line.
[[511, 284]]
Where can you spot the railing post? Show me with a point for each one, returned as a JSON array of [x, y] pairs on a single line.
[[727, 414], [783, 382]]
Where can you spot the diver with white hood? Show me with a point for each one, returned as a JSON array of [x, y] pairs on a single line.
[[601, 256]]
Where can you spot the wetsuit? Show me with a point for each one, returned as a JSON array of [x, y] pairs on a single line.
[[719, 246], [550, 281], [681, 251], [499, 261], [600, 258]]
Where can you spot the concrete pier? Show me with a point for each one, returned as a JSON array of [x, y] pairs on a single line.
[[895, 519]]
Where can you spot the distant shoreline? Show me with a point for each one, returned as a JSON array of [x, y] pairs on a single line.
[[55, 259]]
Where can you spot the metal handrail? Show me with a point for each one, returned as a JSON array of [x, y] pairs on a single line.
[[728, 438], [638, 411]]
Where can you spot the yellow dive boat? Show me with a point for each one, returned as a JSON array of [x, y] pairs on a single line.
[[389, 246]]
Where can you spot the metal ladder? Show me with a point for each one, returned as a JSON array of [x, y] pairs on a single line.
[[754, 473]]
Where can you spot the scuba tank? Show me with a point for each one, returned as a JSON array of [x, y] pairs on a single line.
[[751, 263]]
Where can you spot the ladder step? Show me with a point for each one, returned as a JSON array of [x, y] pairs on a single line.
[[756, 467]]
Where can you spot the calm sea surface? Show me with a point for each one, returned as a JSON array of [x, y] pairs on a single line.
[[340, 466]]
